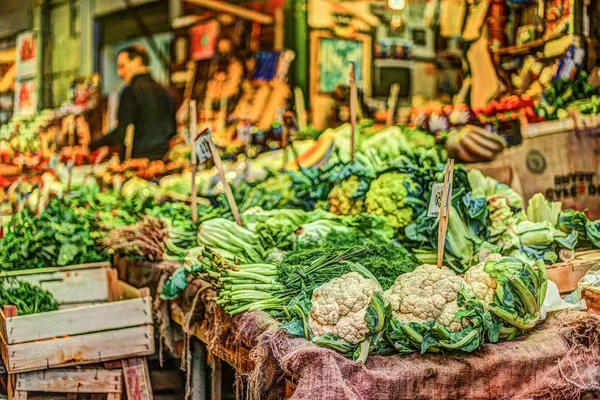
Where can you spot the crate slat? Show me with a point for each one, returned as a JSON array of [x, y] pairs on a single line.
[[82, 349], [70, 322], [69, 287], [592, 298], [71, 380], [567, 274], [46, 270], [126, 291]]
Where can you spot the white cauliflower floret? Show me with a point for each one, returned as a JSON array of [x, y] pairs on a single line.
[[482, 284], [339, 307], [446, 318], [425, 295]]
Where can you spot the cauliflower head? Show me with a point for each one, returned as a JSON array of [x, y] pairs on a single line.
[[483, 285], [387, 197], [428, 294], [343, 200], [340, 306], [498, 281]]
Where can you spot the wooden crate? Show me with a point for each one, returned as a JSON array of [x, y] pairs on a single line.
[[70, 285], [567, 274], [592, 298], [117, 329], [68, 380]]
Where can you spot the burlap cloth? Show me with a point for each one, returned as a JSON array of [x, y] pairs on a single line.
[[560, 359]]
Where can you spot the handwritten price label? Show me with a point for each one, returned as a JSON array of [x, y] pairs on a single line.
[[435, 203], [202, 145]]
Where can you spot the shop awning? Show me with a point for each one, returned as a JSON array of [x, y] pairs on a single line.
[[8, 56], [8, 80]]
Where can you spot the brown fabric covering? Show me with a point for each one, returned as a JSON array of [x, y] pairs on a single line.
[[556, 361], [560, 359]]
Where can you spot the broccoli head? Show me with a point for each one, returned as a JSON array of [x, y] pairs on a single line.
[[344, 199], [393, 195]]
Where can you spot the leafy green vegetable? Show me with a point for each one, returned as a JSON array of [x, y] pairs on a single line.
[[231, 241], [28, 298], [384, 260], [468, 228], [542, 210], [177, 283], [60, 235]]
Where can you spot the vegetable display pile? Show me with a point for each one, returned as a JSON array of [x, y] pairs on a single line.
[[342, 254], [426, 310], [569, 94], [58, 236]]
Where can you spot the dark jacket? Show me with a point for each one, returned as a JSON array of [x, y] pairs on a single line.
[[151, 109]]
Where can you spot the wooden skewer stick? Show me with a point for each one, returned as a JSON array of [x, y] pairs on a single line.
[[392, 103], [284, 143], [39, 198], [71, 132], [193, 132], [226, 187], [69, 176], [129, 133], [71, 135], [444, 212], [300, 108], [289, 126], [353, 101]]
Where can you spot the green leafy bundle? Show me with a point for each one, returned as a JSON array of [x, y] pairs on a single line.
[[28, 298], [60, 235], [468, 228], [385, 260]]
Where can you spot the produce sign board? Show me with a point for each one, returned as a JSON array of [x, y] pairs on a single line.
[[121, 328], [205, 149], [202, 145], [564, 167], [435, 203]]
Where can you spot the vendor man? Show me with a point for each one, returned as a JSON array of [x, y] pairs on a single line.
[[145, 104]]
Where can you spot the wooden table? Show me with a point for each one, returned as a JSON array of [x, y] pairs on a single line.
[[199, 363]]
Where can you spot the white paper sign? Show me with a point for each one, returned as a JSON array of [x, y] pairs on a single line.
[[202, 145], [435, 203]]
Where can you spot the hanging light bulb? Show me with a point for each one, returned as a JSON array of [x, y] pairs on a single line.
[[397, 4]]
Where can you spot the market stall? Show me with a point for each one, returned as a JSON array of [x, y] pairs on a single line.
[[375, 199], [270, 364]]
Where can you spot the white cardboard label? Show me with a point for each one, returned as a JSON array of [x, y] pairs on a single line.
[[435, 203], [202, 146]]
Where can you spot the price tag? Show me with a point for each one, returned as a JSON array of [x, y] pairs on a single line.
[[435, 203], [202, 145]]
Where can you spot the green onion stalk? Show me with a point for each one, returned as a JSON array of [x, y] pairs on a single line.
[[250, 287], [244, 287]]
